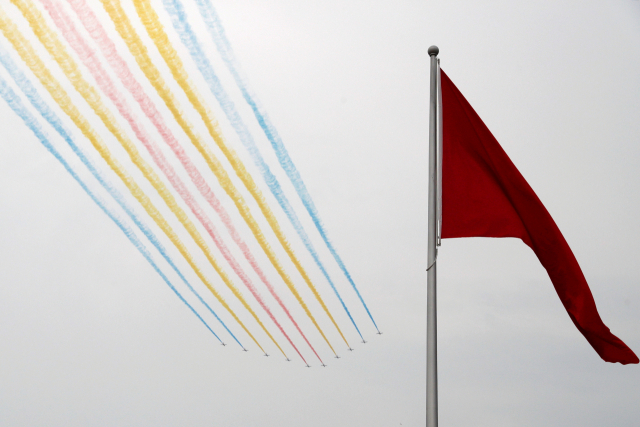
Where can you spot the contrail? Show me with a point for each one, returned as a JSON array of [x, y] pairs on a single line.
[[139, 51], [121, 69], [91, 61], [18, 107], [156, 32], [49, 39], [216, 30], [190, 40]]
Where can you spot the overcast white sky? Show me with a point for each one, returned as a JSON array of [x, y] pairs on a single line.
[[90, 335]]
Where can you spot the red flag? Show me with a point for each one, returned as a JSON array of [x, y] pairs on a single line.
[[484, 195]]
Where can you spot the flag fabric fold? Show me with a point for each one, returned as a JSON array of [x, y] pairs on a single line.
[[484, 195]]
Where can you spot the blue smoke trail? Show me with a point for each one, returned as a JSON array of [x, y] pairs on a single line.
[[189, 39], [18, 107], [30, 91], [216, 30]]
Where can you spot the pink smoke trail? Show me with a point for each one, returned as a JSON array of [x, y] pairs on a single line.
[[121, 69], [91, 61]]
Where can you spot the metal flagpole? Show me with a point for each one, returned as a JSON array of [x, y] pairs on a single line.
[[432, 330]]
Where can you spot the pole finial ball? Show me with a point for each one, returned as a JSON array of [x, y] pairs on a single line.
[[433, 51]]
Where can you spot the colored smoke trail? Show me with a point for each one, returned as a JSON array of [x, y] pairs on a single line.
[[30, 92], [90, 60], [216, 30], [121, 69], [190, 40], [47, 38], [18, 107], [139, 51], [163, 44]]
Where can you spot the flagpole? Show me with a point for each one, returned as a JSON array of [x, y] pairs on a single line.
[[432, 330]]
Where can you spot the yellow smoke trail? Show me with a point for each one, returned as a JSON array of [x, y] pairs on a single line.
[[139, 51], [55, 48], [154, 29]]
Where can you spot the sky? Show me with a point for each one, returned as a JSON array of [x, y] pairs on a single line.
[[91, 335]]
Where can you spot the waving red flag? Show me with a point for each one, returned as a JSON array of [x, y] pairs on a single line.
[[484, 195]]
